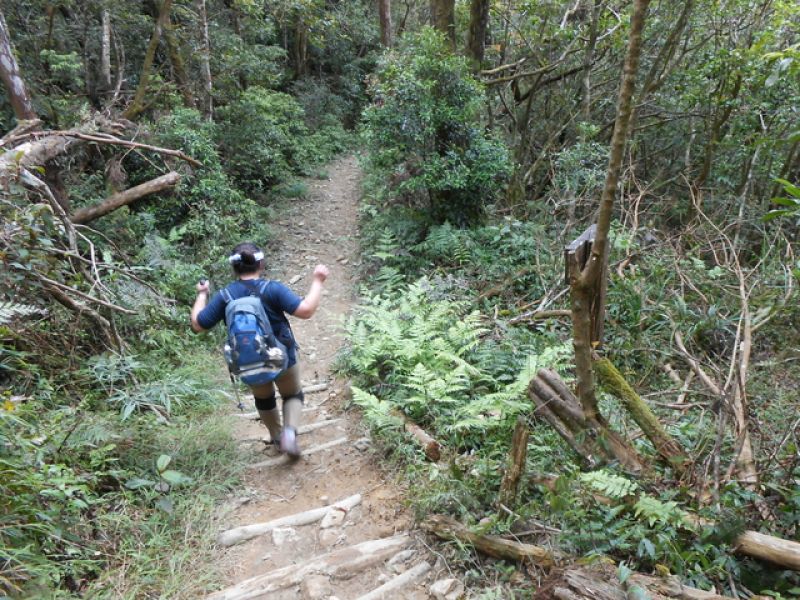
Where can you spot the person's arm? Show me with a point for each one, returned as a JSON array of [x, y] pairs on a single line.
[[203, 289], [310, 303]]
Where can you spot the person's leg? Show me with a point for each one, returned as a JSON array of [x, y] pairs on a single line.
[[264, 396], [292, 394]]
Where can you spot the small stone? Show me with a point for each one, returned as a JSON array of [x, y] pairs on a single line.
[[340, 257], [447, 589], [345, 261], [383, 578], [316, 587], [333, 518], [324, 499], [331, 537], [295, 279], [281, 535], [400, 558], [362, 444]]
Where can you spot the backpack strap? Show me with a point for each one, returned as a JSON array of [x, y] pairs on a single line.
[[226, 295]]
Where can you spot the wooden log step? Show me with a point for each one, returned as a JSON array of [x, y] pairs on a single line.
[[279, 460], [342, 562], [303, 429], [241, 534], [391, 588]]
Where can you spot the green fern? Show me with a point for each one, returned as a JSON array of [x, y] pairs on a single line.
[[654, 511], [377, 412], [609, 484], [11, 310]]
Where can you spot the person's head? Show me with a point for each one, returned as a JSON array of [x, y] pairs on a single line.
[[246, 258]]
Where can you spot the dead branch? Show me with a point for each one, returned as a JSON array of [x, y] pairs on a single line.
[[449, 529], [104, 138], [121, 199], [432, 448]]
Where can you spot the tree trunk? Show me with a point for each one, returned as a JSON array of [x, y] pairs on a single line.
[[178, 65], [159, 184], [582, 285], [443, 19], [385, 17], [205, 61], [162, 21], [516, 464], [105, 53], [11, 77], [478, 24], [300, 48]]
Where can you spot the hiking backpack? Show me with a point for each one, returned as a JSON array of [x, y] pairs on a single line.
[[252, 350]]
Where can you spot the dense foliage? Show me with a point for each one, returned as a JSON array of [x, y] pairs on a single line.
[[423, 133]]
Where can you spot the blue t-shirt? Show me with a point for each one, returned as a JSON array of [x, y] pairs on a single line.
[[277, 300]]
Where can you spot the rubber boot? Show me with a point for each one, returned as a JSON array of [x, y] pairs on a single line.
[[292, 410]]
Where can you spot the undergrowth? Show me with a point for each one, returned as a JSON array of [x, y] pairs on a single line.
[[436, 341]]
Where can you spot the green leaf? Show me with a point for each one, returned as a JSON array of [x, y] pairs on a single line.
[[137, 483], [163, 462], [165, 504], [789, 187], [175, 477], [623, 573]]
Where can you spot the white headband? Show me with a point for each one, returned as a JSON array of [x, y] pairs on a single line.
[[235, 258]]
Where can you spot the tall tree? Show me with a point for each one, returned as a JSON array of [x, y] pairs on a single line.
[[443, 19], [162, 21], [11, 77], [205, 60], [385, 18], [582, 285], [478, 24], [105, 51]]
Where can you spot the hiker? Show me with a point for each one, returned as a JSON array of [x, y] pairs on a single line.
[[277, 300]]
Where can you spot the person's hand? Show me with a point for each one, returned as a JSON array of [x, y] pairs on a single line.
[[204, 285], [321, 273]]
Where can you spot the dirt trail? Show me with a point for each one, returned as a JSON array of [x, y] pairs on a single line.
[[321, 228]]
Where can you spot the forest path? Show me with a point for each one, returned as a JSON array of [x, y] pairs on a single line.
[[280, 564]]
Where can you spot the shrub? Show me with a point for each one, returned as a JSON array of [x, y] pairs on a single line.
[[424, 135], [261, 135]]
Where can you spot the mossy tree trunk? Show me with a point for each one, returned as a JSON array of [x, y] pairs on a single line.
[[137, 105]]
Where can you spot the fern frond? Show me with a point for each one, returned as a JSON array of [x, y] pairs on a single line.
[[10, 310], [609, 484]]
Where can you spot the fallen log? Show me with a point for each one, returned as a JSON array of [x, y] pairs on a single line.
[[237, 535], [112, 203], [601, 582], [432, 448], [613, 382], [784, 553], [345, 561], [391, 588], [448, 528], [303, 429], [279, 460]]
